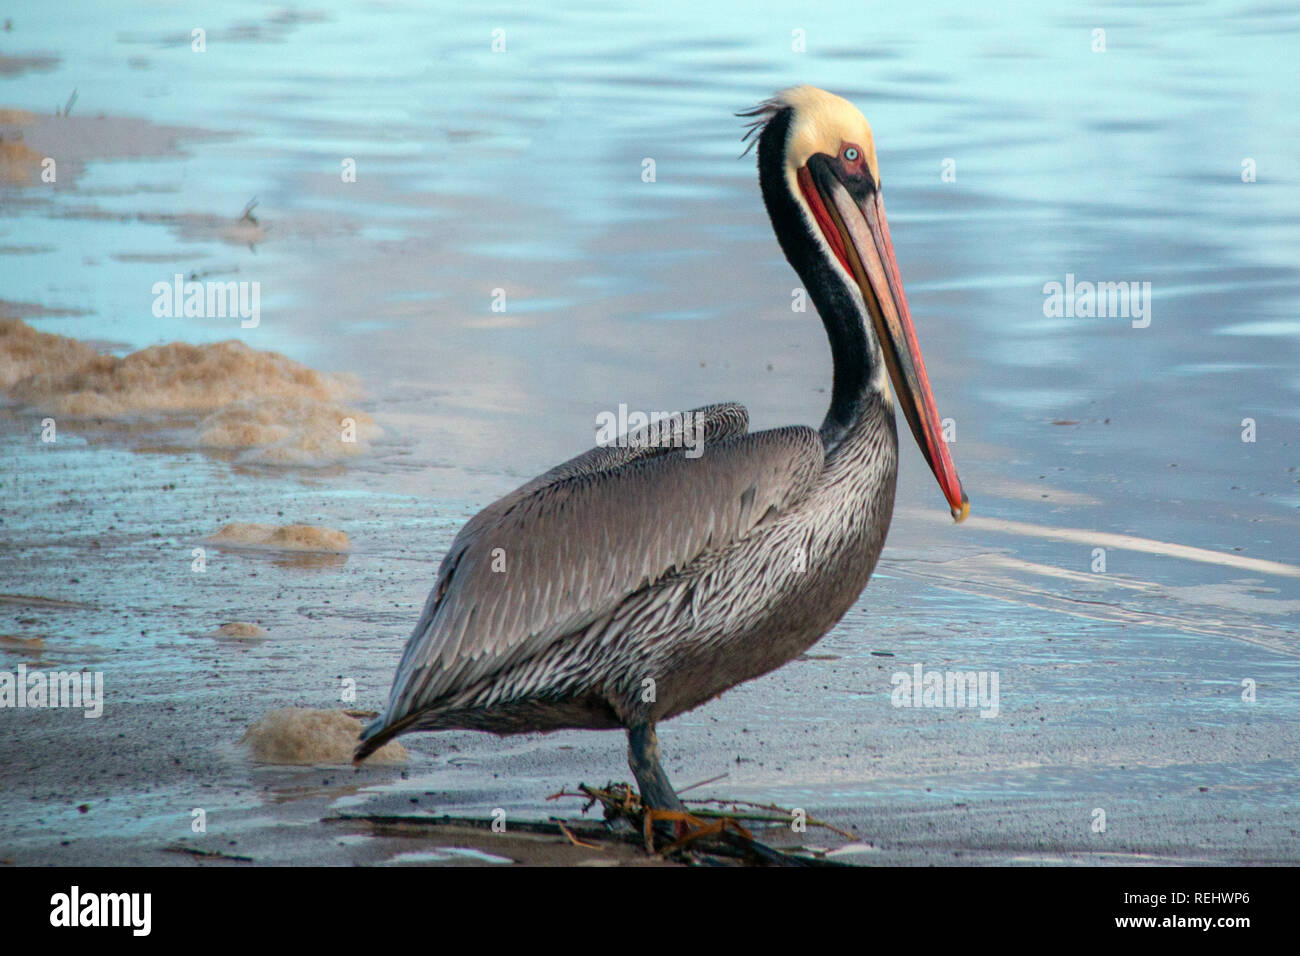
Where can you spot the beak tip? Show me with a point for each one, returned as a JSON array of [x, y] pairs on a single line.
[[961, 514]]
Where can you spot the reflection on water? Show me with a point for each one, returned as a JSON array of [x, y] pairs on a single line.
[[522, 170], [1014, 154]]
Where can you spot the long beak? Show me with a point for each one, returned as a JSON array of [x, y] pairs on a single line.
[[868, 253]]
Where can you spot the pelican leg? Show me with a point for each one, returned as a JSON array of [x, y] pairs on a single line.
[[666, 817], [657, 792]]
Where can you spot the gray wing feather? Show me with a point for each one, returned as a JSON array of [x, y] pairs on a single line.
[[569, 546]]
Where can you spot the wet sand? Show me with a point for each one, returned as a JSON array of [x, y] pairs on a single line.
[[1121, 690], [1132, 714]]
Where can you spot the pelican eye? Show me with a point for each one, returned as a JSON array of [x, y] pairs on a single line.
[[851, 154]]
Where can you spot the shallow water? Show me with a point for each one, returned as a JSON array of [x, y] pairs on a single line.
[[522, 171]]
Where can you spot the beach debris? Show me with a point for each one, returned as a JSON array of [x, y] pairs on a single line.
[[573, 839], [247, 229], [35, 600], [206, 854], [710, 832]]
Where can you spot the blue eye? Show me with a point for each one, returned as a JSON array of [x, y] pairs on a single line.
[[851, 154]]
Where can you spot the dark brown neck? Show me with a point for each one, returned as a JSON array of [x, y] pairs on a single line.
[[852, 340]]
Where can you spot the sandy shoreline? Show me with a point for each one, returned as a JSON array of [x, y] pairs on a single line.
[[1208, 779], [201, 534]]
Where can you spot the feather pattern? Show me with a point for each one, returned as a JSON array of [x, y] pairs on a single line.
[[569, 549], [628, 565]]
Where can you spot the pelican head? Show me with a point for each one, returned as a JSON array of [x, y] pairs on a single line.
[[821, 183]]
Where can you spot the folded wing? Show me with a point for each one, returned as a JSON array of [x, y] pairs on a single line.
[[569, 546]]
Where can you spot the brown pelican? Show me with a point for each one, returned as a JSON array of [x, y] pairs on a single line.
[[634, 583]]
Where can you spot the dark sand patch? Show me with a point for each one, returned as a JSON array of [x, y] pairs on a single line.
[[31, 646], [11, 66], [34, 310], [75, 140]]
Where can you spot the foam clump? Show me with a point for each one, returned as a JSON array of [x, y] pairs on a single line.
[[284, 430], [290, 537], [20, 165], [24, 352], [267, 407], [302, 736], [239, 630]]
